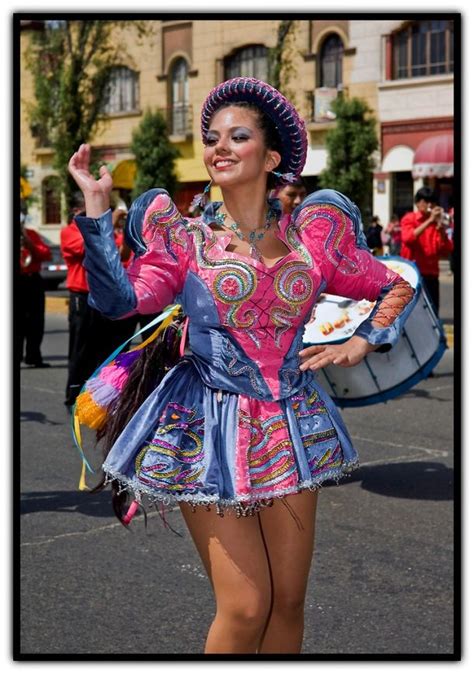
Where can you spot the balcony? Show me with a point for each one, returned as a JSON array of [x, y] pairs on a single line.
[[319, 102], [179, 120]]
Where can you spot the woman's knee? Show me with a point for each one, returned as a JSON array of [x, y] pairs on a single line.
[[288, 603], [249, 611]]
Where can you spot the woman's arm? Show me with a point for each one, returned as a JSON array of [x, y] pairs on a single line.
[[389, 308], [157, 272]]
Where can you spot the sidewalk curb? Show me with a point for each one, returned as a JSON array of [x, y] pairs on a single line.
[[57, 305]]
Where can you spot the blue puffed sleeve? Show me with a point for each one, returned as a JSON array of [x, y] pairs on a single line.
[[110, 290], [157, 234]]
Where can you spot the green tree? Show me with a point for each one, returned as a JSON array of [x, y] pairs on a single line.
[[70, 62], [281, 67], [154, 154], [350, 147]]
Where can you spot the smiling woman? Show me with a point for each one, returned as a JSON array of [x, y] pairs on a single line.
[[236, 420]]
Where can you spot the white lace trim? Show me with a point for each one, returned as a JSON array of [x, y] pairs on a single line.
[[239, 503]]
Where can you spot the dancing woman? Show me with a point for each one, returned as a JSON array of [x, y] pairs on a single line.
[[239, 432]]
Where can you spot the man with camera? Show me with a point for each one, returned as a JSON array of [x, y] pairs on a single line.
[[425, 239]]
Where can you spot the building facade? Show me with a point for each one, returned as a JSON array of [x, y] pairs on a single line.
[[173, 69]]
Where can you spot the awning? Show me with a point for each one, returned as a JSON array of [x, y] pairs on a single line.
[[434, 157], [124, 174], [25, 188]]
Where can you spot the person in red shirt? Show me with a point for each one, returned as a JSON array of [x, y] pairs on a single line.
[[92, 337], [425, 240], [33, 251]]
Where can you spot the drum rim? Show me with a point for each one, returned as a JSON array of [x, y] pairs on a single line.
[[400, 388]]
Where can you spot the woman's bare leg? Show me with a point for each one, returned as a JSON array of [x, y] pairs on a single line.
[[235, 559], [288, 533]]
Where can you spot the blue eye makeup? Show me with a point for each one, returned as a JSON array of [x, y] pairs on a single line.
[[238, 134], [241, 134]]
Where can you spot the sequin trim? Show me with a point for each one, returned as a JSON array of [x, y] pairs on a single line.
[[166, 222], [339, 224], [241, 505], [268, 463], [232, 366], [175, 467]]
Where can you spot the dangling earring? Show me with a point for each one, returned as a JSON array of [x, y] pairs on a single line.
[[286, 177], [201, 200]]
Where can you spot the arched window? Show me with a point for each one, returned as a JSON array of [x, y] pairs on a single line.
[[423, 48], [179, 97], [122, 91], [51, 193], [247, 62], [330, 69]]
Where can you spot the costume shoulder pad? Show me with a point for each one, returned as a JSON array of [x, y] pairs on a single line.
[[163, 214], [302, 217]]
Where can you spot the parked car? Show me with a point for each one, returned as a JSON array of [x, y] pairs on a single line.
[[53, 271]]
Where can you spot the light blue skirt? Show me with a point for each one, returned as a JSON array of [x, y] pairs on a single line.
[[189, 442]]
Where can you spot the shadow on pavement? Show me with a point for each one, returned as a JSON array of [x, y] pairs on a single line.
[[93, 505], [38, 417], [417, 480], [425, 393]]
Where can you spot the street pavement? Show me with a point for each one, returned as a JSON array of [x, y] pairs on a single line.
[[382, 576]]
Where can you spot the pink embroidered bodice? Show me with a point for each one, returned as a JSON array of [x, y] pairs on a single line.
[[253, 315]]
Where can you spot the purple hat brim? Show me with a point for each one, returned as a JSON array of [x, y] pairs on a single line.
[[290, 127]]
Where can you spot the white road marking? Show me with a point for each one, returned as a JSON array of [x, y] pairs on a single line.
[[427, 450], [42, 390], [72, 534]]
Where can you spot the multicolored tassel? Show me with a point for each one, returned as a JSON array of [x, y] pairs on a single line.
[[106, 383]]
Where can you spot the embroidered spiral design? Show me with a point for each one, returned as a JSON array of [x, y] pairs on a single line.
[[293, 285], [166, 221], [165, 213], [235, 285]]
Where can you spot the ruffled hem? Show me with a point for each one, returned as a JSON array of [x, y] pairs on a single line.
[[242, 506]]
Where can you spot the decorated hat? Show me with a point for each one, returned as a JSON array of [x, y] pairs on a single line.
[[288, 123]]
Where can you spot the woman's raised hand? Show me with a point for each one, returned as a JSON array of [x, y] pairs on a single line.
[[96, 192]]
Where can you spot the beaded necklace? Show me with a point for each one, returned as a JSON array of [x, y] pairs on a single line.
[[253, 235]]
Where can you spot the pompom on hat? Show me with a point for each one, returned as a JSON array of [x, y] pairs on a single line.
[[289, 125]]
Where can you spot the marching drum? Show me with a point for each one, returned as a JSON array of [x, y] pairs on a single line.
[[379, 376]]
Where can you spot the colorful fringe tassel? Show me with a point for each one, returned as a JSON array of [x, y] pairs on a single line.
[[106, 383]]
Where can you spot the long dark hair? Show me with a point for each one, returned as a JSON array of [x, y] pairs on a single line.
[[154, 361]]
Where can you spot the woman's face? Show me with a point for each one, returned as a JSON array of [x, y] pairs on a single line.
[[235, 152]]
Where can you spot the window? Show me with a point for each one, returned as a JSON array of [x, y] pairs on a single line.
[[179, 98], [330, 69], [122, 91], [423, 48], [248, 62], [51, 193]]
